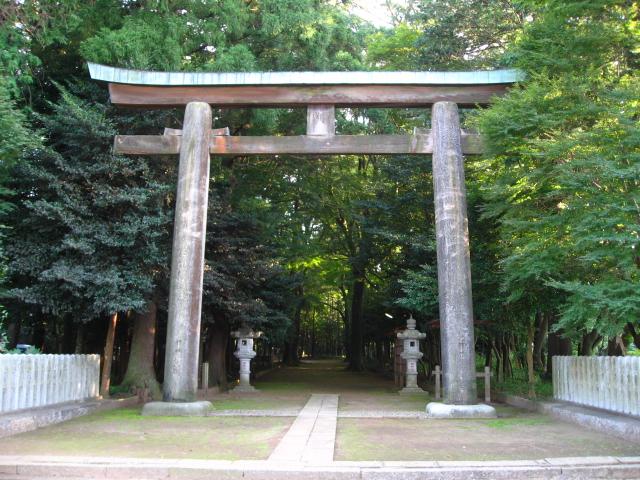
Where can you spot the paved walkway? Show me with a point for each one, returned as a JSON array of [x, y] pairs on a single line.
[[312, 436]]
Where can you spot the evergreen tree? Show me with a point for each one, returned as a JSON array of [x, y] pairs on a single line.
[[89, 237], [242, 283], [563, 150], [465, 34]]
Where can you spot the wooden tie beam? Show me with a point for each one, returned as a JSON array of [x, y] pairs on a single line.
[[420, 143]]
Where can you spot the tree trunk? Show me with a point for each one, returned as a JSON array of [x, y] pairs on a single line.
[[290, 354], [140, 372], [488, 353], [617, 346], [499, 363], [519, 357], [634, 333], [557, 345], [57, 334], [530, 371], [122, 345], [81, 333], [39, 336], [379, 354], [589, 342], [219, 333], [356, 363], [13, 333], [313, 333], [542, 328], [346, 320], [108, 357], [507, 366]]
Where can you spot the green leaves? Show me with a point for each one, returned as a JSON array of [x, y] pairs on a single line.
[[465, 34], [564, 153], [145, 42], [92, 227]]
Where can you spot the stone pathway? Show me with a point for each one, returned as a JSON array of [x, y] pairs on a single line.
[[312, 436]]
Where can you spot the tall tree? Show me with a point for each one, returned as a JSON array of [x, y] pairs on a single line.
[[563, 149], [89, 239], [465, 34], [242, 285]]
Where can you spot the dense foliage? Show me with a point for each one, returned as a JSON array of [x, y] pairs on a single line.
[[563, 156]]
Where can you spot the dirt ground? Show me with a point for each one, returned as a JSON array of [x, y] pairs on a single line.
[[515, 435]]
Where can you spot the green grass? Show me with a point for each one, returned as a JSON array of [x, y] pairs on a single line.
[[126, 433], [259, 403], [512, 423]]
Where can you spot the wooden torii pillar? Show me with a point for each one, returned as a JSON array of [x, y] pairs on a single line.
[[320, 93]]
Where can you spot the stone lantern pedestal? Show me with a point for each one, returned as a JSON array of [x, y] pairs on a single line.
[[411, 353], [245, 353]]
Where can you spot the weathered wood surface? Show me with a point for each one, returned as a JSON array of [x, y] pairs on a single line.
[[454, 265], [187, 257], [419, 144], [291, 96], [213, 131], [321, 120]]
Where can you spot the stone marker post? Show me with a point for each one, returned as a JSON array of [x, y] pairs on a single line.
[[187, 262], [454, 268]]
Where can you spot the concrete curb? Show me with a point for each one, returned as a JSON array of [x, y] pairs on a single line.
[[616, 425], [23, 467], [625, 427], [515, 401], [23, 421]]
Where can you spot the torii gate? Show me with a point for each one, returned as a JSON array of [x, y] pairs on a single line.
[[320, 93]]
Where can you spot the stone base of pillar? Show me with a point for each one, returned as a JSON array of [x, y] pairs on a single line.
[[412, 392], [177, 409], [441, 410], [244, 389]]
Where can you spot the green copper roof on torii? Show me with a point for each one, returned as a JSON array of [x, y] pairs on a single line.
[[141, 77]]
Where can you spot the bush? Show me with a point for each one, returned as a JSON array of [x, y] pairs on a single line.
[[518, 385]]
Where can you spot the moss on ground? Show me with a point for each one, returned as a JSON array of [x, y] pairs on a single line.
[[120, 434], [515, 435], [528, 437]]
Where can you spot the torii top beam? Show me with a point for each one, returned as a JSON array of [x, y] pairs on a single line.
[[156, 90]]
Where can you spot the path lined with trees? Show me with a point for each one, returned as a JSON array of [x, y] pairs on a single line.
[[326, 256]]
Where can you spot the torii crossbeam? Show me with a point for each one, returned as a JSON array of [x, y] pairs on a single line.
[[320, 93]]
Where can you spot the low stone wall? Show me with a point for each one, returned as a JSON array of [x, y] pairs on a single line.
[[28, 381], [23, 421], [609, 383]]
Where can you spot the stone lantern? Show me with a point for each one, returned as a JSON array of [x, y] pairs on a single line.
[[245, 353], [411, 353]]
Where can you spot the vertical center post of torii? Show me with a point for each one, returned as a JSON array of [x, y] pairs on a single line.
[[454, 271]]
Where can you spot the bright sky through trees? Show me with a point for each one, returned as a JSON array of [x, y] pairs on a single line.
[[375, 11]]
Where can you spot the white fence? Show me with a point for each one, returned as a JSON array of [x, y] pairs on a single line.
[[610, 383], [28, 381]]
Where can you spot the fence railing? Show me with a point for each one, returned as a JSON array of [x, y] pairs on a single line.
[[610, 383], [28, 381]]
